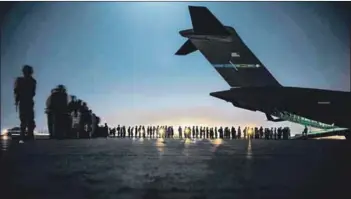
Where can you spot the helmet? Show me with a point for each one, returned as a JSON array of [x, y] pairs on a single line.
[[27, 70], [73, 98], [61, 88]]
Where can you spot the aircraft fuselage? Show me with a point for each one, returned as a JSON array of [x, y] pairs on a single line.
[[329, 107]]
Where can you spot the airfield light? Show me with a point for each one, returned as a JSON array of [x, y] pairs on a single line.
[[187, 130], [5, 137], [249, 131], [4, 132], [161, 131]]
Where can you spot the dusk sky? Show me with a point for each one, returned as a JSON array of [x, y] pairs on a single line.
[[119, 57]]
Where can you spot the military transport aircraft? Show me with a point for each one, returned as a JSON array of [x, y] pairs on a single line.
[[253, 87]]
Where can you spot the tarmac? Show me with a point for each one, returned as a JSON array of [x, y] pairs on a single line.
[[161, 169]]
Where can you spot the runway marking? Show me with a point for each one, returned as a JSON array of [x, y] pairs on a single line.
[[249, 150], [160, 145]]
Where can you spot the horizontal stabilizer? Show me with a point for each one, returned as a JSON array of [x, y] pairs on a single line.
[[205, 23], [186, 48]]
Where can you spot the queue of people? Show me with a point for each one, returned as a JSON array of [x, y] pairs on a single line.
[[200, 132], [69, 117]]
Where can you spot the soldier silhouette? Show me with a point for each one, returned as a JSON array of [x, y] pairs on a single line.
[[24, 91], [48, 111], [59, 108]]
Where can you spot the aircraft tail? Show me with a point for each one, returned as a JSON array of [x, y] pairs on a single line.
[[229, 55], [205, 23]]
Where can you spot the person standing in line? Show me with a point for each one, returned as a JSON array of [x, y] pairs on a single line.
[[180, 132], [93, 125], [233, 132], [59, 107], [49, 114]]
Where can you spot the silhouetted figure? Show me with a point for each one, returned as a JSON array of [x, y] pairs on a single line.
[[285, 133], [105, 130], [180, 132], [136, 131], [216, 133], [85, 118], [143, 131], [59, 107], [24, 91], [288, 131], [233, 133], [261, 132], [75, 122], [94, 125], [220, 132], [304, 132], [266, 133], [211, 133], [271, 134], [49, 114], [245, 133], [118, 131], [150, 131], [122, 131], [239, 133], [226, 132], [129, 133], [279, 133], [169, 132]]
